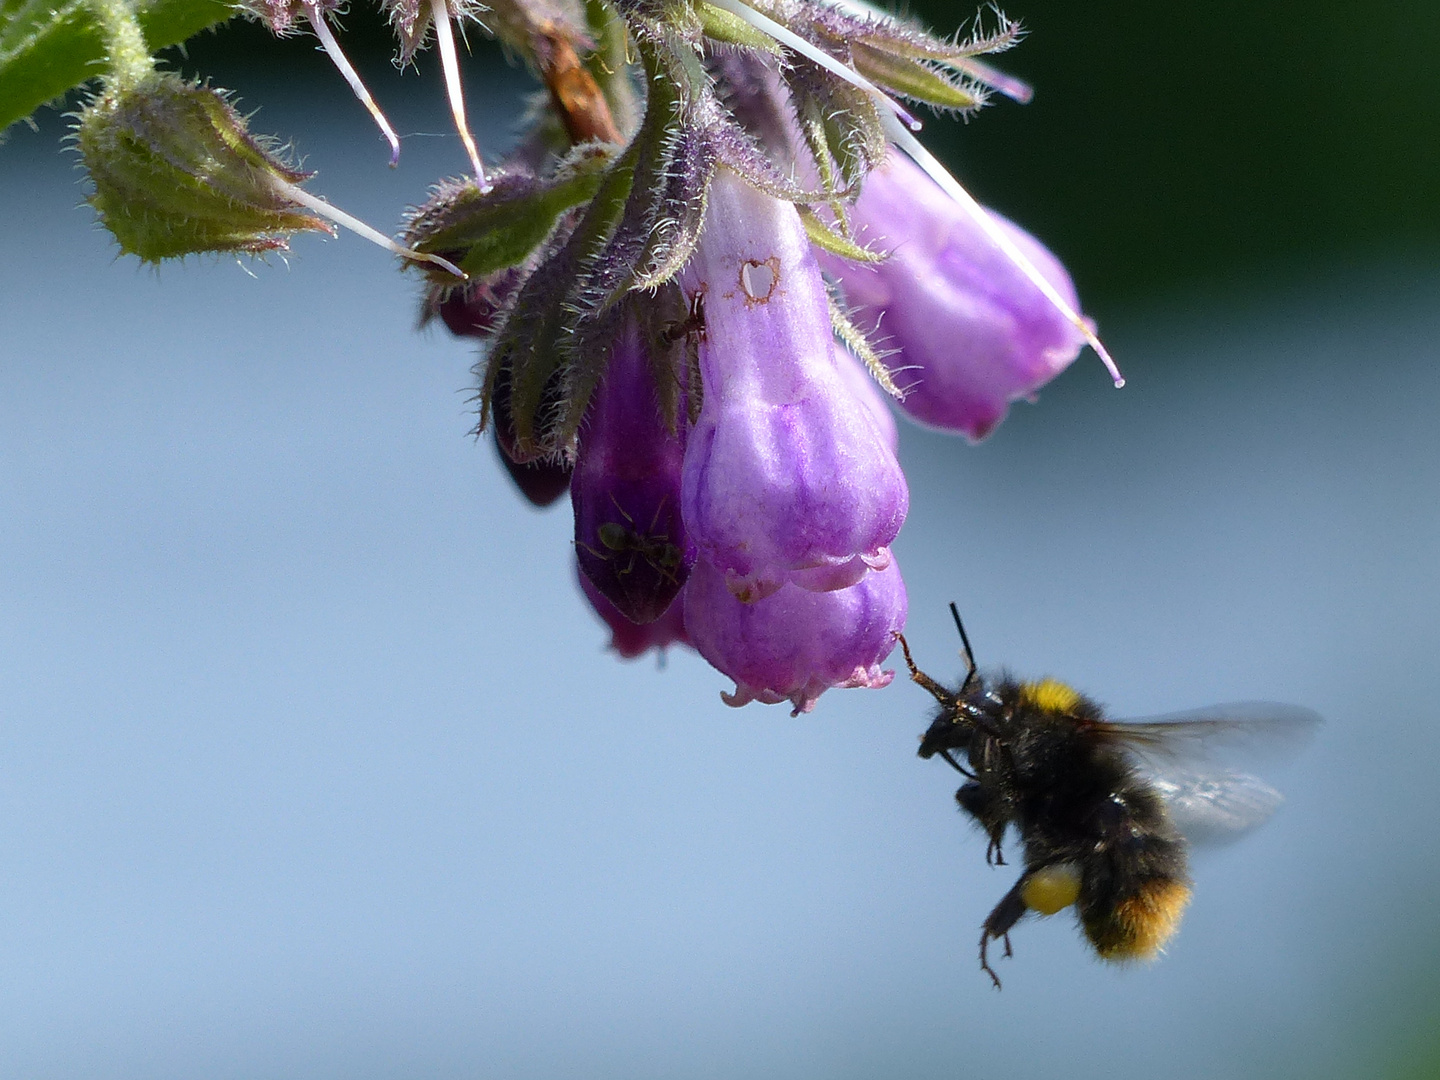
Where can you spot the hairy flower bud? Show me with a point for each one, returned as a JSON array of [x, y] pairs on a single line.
[[284, 17], [629, 538], [176, 172], [786, 477], [973, 333], [476, 308], [630, 639], [795, 644], [541, 480]]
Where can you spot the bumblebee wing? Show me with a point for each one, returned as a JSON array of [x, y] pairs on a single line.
[[1235, 735], [1215, 808], [1197, 761]]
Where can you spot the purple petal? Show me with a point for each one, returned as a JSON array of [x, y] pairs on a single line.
[[629, 537], [632, 640], [973, 333], [869, 394], [795, 644], [786, 475]]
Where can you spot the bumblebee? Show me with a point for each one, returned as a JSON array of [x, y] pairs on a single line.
[[1102, 808]]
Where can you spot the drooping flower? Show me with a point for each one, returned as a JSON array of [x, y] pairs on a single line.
[[972, 333], [541, 480], [630, 539], [795, 644], [631, 640], [475, 308], [786, 476]]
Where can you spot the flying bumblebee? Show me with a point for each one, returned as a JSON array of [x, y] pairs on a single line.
[[1101, 808]]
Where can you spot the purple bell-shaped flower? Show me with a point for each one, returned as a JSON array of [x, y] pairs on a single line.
[[629, 537], [631, 640], [795, 644], [787, 479], [972, 332]]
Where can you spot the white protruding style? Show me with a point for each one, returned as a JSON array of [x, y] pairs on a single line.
[[445, 44], [342, 64], [359, 228]]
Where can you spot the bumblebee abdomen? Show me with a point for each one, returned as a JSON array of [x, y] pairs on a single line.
[[1137, 924]]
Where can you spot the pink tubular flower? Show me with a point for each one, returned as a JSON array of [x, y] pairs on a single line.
[[795, 644], [786, 476], [973, 333], [629, 538]]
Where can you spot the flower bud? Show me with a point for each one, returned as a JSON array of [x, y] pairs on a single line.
[[630, 639], [795, 644], [786, 477], [475, 308], [629, 538], [176, 172], [541, 480], [973, 333], [284, 17]]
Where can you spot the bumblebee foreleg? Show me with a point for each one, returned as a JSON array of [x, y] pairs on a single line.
[[991, 811]]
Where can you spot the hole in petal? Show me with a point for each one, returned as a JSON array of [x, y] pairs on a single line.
[[758, 279]]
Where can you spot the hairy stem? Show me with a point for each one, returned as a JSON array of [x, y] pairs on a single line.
[[129, 57]]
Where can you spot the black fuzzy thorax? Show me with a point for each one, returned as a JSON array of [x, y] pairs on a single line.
[[1067, 785]]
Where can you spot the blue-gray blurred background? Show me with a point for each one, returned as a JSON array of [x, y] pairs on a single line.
[[313, 763]]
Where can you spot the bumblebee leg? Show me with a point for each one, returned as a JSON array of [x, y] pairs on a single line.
[[938, 692], [997, 926], [957, 766], [992, 812]]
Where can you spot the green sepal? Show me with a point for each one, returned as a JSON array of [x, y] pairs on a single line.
[[482, 232], [912, 79], [823, 236], [176, 172], [720, 25], [855, 340], [47, 49], [853, 131], [526, 357]]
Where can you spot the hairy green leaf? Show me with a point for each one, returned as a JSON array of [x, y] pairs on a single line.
[[47, 48]]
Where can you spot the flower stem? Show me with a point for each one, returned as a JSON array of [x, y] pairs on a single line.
[[129, 58]]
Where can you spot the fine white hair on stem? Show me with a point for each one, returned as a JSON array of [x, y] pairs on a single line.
[[359, 228], [342, 64], [898, 128], [445, 45]]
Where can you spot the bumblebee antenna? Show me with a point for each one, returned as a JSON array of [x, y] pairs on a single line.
[[964, 640]]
